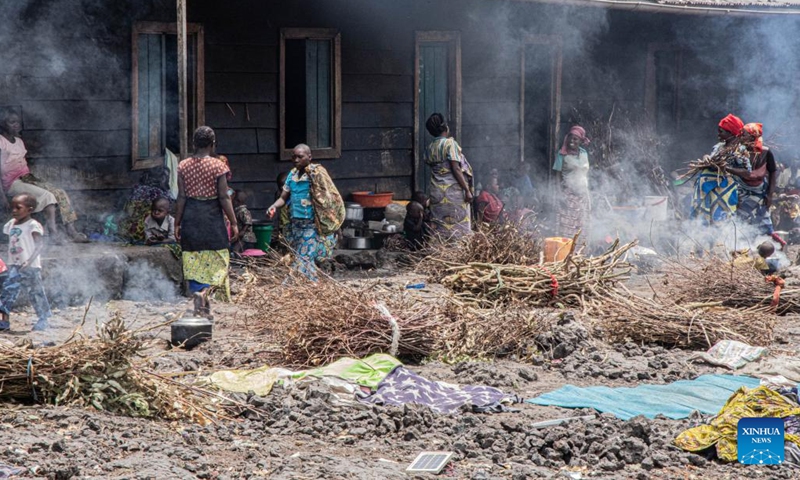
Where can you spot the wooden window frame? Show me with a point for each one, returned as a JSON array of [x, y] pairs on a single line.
[[557, 43], [154, 28], [453, 37], [335, 36], [650, 93]]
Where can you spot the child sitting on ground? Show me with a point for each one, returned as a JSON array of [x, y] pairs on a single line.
[[765, 264], [159, 226], [24, 246], [414, 225], [488, 205], [247, 239]]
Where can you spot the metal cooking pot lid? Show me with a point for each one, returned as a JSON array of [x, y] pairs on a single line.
[[193, 322]]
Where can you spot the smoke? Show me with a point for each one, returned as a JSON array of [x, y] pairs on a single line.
[[145, 281]]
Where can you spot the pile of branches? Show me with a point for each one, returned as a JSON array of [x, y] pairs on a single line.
[[724, 283], [627, 317], [567, 282], [101, 373], [488, 333], [317, 323], [506, 244]]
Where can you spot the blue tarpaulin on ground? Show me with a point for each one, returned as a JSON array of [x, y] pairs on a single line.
[[706, 394]]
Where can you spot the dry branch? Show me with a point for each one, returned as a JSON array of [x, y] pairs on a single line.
[[626, 317], [100, 372]]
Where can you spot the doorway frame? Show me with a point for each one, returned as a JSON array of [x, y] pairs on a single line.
[[454, 87], [557, 43]]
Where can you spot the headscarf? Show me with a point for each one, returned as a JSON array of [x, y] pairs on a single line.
[[756, 130], [732, 124], [579, 132]]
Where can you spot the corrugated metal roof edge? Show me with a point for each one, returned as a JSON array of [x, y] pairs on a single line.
[[677, 9]]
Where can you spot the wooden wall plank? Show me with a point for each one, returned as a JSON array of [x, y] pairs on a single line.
[[489, 135], [490, 89], [267, 140], [76, 115], [88, 85], [377, 115], [59, 143], [241, 58], [491, 157], [236, 140], [376, 138], [496, 113], [377, 88], [81, 174], [247, 115], [377, 62], [242, 87]]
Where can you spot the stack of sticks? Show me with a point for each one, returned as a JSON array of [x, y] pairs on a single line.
[[725, 283], [101, 373], [623, 316], [315, 323], [510, 244], [567, 282]]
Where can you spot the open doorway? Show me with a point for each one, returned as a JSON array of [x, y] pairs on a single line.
[[540, 104], [437, 88]]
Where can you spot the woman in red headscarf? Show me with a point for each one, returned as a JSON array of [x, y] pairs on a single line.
[[757, 183], [572, 165], [716, 196]]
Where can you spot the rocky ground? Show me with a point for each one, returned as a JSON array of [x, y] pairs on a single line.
[[305, 432]]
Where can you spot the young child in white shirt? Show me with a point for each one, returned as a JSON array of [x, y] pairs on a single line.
[[25, 267]]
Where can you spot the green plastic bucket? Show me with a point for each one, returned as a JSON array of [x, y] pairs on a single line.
[[263, 235]]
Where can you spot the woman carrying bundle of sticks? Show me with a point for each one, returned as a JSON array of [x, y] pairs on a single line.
[[715, 195], [756, 184]]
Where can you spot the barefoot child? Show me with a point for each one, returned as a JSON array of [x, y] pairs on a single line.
[[24, 246], [247, 239], [159, 226]]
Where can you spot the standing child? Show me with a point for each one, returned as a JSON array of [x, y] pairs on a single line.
[[24, 246], [247, 239], [159, 226]]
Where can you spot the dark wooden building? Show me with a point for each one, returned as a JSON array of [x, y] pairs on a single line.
[[97, 83]]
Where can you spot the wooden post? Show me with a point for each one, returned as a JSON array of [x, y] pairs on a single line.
[[182, 113]]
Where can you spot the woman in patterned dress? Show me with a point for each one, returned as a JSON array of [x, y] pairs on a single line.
[[203, 205], [451, 182], [572, 167]]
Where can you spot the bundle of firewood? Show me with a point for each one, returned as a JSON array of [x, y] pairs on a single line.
[[566, 282]]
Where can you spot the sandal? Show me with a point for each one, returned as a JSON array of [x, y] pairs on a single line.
[[80, 238]]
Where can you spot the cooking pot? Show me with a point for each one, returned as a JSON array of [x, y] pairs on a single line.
[[191, 331], [353, 211], [359, 243]]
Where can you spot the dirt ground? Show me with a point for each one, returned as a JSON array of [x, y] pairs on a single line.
[[306, 433]]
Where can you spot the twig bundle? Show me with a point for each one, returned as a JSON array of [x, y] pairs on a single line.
[[626, 317], [725, 282], [487, 333], [567, 282], [508, 244], [100, 372], [316, 323]]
